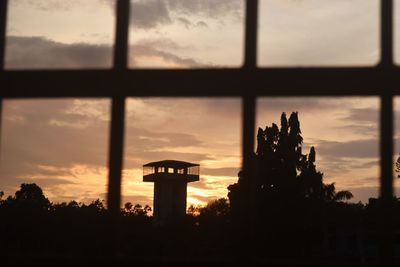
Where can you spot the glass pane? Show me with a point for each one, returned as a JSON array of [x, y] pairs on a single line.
[[318, 166], [59, 144], [396, 31], [179, 133], [318, 33], [202, 131], [186, 34], [59, 34], [53, 179]]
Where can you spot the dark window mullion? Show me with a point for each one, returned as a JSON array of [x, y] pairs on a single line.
[[386, 133], [248, 114], [248, 117], [3, 23], [118, 109], [386, 179]]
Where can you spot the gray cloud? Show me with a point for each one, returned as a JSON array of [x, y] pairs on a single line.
[[147, 14], [363, 115], [352, 149], [39, 53], [185, 22], [362, 121], [208, 8], [362, 129], [189, 24], [368, 148], [42, 53], [201, 24]]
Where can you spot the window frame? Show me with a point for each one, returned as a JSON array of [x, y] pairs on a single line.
[[247, 82]]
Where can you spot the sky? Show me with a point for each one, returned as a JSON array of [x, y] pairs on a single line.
[[62, 144]]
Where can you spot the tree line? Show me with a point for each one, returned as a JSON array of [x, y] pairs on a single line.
[[280, 209]]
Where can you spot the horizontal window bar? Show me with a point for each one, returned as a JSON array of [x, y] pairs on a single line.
[[225, 82]]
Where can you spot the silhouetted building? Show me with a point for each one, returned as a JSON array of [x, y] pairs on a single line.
[[170, 179]]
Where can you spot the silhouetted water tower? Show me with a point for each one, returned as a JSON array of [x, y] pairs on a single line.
[[170, 179]]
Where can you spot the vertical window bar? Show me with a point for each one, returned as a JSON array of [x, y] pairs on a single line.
[[250, 60], [118, 109], [248, 106], [386, 32], [386, 179], [3, 22], [248, 121], [386, 135]]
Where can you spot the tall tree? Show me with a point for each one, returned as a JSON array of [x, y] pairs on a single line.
[[397, 166], [283, 171]]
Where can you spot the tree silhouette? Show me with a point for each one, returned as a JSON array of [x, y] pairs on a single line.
[[397, 166], [29, 197], [330, 193], [283, 171], [128, 207], [290, 198]]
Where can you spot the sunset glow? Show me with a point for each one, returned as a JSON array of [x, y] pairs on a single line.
[[62, 145]]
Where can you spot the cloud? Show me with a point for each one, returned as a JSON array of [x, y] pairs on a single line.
[[69, 156], [208, 8], [204, 199], [201, 24], [188, 24], [137, 159], [161, 43], [185, 22], [318, 33], [280, 104], [39, 53], [227, 171], [148, 14], [367, 130], [363, 115], [46, 5], [139, 51], [352, 149], [148, 140], [32, 147], [42, 53], [49, 182]]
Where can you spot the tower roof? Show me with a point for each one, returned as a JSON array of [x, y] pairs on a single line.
[[171, 164]]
